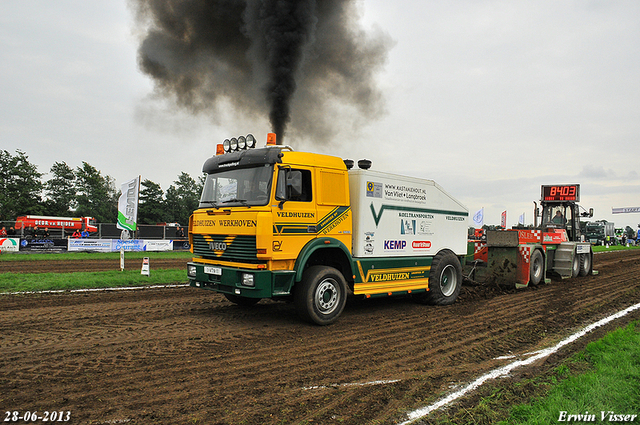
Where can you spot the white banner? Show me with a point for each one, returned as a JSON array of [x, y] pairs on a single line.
[[625, 210], [9, 244], [114, 245], [128, 205], [100, 245], [521, 219]]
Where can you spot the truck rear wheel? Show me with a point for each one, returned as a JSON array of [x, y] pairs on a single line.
[[445, 279], [321, 295], [536, 268]]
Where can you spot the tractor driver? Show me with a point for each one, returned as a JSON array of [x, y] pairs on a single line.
[[559, 219]]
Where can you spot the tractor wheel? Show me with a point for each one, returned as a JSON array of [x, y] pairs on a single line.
[[242, 301], [445, 280], [585, 264], [321, 295], [575, 264], [536, 267]]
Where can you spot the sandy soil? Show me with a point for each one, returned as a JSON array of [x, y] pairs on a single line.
[[185, 355]]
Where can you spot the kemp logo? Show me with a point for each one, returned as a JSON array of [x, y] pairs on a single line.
[[421, 244], [395, 245]]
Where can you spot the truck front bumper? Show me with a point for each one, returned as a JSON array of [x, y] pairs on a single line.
[[249, 283]]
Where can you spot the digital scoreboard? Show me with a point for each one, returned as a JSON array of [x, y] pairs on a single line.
[[561, 192]]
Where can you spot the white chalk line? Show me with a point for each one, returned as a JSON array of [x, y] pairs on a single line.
[[505, 370], [352, 384], [124, 288]]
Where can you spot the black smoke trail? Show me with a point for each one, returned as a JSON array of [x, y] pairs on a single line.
[[297, 61]]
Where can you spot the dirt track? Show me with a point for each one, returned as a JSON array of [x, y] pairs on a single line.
[[183, 355]]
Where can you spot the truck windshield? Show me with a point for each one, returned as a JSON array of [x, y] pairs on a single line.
[[240, 186]]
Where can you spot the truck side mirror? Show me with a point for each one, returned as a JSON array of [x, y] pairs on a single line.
[[281, 186], [590, 212]]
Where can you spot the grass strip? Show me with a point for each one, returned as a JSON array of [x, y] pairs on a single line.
[[605, 377], [600, 248], [25, 282], [612, 387]]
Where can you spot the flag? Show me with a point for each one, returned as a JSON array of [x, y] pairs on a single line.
[[521, 219], [503, 219], [478, 218], [128, 205]]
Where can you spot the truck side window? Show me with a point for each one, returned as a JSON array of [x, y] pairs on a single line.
[[305, 175], [306, 195]]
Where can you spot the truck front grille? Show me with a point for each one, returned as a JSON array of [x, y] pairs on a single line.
[[230, 248]]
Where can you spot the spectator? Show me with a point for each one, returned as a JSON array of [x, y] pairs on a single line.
[[76, 234], [11, 231], [179, 232], [84, 234], [35, 233], [45, 233], [3, 231]]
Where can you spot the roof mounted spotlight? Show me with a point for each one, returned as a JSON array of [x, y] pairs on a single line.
[[233, 143], [242, 143], [251, 141], [348, 163], [364, 164], [226, 145]]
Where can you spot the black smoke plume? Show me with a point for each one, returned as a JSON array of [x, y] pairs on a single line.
[[306, 63]]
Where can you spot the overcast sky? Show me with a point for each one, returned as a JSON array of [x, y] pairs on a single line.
[[491, 99]]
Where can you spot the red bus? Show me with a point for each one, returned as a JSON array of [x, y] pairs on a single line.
[[67, 223]]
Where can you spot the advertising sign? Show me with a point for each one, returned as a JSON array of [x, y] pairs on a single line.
[[9, 244], [98, 245]]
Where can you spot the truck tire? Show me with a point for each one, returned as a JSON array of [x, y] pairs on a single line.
[[321, 295], [242, 301], [445, 279], [585, 264], [536, 268]]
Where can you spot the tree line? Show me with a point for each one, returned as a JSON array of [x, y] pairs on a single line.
[[85, 192]]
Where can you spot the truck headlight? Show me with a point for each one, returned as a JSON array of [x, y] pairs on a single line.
[[242, 143], [247, 279], [191, 270]]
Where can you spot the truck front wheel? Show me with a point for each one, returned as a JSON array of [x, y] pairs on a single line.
[[321, 295]]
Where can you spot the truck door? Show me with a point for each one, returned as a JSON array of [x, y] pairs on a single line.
[[295, 215]]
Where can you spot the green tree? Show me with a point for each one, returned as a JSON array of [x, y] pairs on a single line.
[[151, 209], [183, 198], [96, 195], [20, 186], [60, 190]]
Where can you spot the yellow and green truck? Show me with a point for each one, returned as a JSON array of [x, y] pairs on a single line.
[[311, 228]]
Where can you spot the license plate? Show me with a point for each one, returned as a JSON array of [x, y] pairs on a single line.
[[213, 270]]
